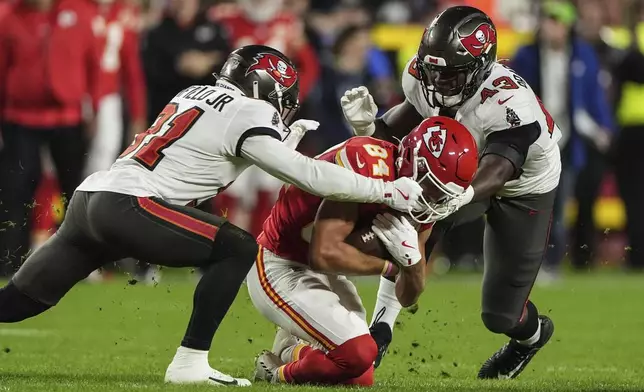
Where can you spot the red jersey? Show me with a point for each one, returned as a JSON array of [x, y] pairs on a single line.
[[115, 27], [287, 231], [48, 65], [284, 32]]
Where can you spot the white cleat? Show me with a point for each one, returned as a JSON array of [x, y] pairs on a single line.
[[282, 343], [191, 367], [266, 367]]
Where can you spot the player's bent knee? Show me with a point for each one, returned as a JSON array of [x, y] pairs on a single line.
[[233, 242], [499, 323], [355, 356]]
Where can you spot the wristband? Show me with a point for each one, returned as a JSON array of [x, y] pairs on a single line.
[[387, 268]]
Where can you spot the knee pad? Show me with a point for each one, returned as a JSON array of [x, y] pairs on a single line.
[[16, 306], [234, 243], [355, 356], [499, 323]]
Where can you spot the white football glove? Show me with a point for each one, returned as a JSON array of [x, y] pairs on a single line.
[[298, 130], [403, 194], [455, 204], [400, 238], [360, 110]]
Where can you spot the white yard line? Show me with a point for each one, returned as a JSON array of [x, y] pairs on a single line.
[[26, 332]]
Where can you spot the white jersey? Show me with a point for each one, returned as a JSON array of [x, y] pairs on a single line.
[[504, 101], [193, 149]]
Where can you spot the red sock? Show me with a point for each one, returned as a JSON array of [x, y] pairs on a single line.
[[348, 363], [366, 380]]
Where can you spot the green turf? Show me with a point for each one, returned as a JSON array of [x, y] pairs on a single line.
[[118, 337]]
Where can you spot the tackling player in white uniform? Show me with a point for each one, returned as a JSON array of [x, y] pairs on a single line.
[[455, 73], [142, 207]]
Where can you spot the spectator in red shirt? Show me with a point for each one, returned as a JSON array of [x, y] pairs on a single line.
[[48, 67], [264, 22], [116, 28]]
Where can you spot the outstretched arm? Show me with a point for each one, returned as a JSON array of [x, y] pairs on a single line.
[[325, 179], [328, 251]]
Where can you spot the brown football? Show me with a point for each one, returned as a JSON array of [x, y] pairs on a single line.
[[365, 240]]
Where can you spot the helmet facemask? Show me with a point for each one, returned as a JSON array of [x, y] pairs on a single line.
[[286, 104], [450, 86], [435, 193]]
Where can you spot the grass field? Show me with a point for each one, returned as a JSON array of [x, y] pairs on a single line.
[[119, 337]]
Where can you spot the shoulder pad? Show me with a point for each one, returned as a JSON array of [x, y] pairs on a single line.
[[369, 157]]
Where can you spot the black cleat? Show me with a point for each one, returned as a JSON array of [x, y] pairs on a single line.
[[381, 333], [512, 358]]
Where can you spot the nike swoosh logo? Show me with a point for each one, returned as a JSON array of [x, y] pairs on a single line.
[[360, 164], [224, 382], [501, 102], [406, 245], [406, 197]]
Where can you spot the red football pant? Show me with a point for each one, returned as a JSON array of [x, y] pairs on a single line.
[[351, 363]]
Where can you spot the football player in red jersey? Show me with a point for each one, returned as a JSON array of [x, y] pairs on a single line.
[[264, 22], [299, 279]]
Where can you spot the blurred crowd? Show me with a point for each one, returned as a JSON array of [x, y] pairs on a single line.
[[79, 78]]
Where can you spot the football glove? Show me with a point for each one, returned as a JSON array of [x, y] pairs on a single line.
[[298, 129], [399, 237], [455, 204], [403, 194], [360, 110]]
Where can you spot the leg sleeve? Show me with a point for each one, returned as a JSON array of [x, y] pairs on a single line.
[[514, 243]]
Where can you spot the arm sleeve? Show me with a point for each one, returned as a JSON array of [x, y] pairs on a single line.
[[513, 144], [320, 178], [133, 79]]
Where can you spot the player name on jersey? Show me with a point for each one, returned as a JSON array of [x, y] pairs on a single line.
[[212, 96]]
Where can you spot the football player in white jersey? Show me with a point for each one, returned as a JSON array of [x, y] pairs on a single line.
[[142, 207], [455, 73]]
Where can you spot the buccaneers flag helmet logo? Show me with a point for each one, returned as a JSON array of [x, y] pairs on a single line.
[[482, 38], [275, 67]]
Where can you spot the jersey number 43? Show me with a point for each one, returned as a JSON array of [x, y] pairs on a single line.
[[147, 147]]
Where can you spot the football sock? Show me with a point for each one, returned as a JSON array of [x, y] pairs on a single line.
[[534, 339], [346, 364], [189, 358], [529, 328], [213, 296], [233, 255], [387, 305], [16, 306]]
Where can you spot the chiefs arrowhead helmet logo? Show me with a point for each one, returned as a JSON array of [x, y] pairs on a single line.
[[434, 138], [277, 68], [481, 39]]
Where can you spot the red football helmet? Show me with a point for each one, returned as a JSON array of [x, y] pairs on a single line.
[[441, 155]]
